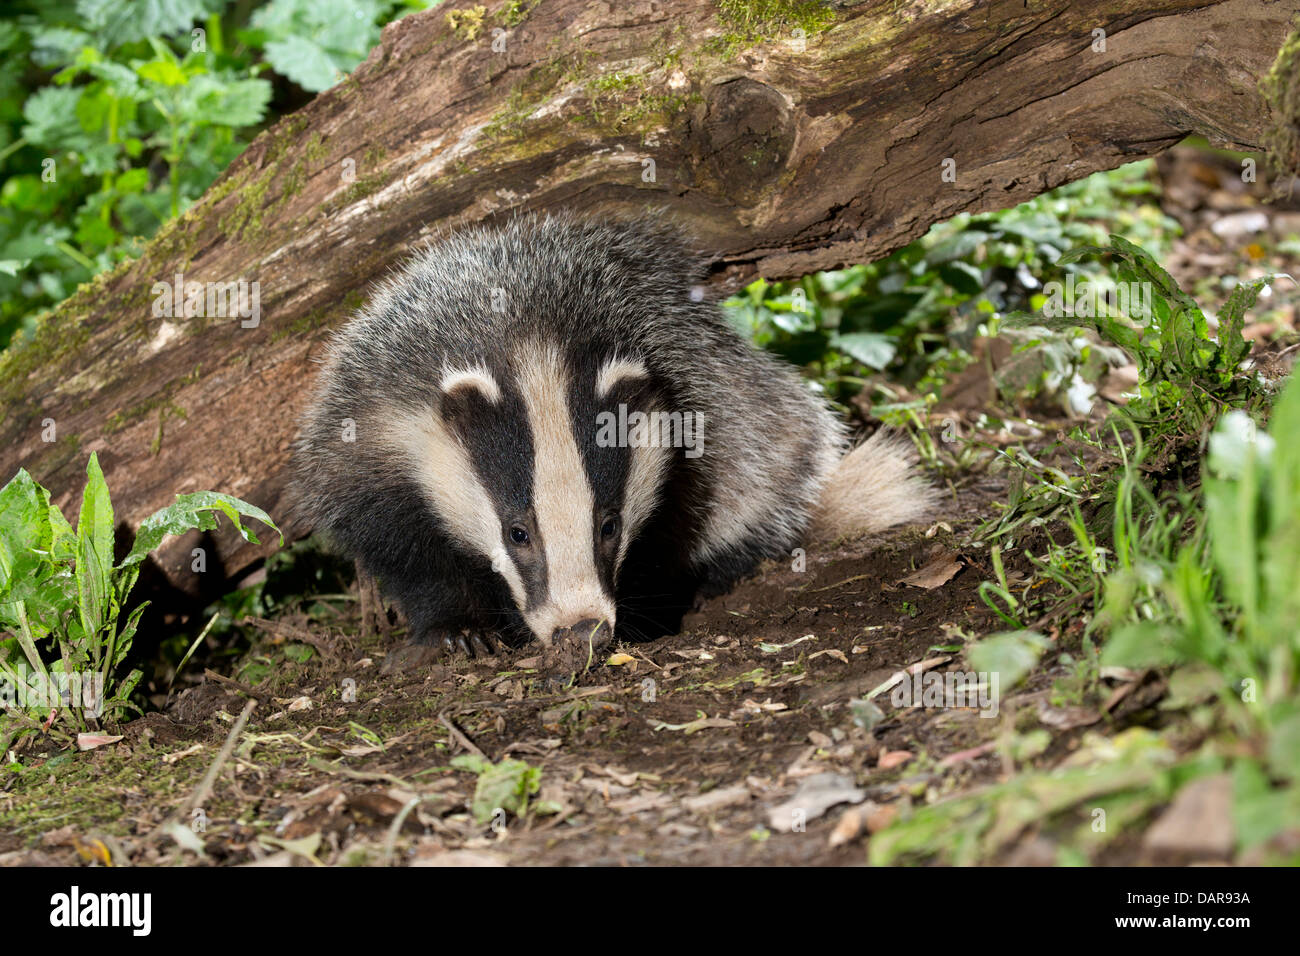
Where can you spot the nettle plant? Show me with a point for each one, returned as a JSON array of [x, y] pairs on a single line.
[[1187, 373], [916, 313], [118, 114], [62, 597]]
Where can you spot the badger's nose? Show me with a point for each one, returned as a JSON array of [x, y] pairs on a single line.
[[596, 633]]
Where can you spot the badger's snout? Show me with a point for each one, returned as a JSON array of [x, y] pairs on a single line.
[[596, 633]]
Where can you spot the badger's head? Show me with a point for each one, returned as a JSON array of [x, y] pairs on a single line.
[[526, 466]]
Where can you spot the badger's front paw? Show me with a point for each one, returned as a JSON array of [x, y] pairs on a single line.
[[436, 647]]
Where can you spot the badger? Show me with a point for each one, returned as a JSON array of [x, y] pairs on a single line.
[[545, 428]]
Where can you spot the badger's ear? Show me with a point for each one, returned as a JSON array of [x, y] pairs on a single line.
[[464, 390], [617, 370], [461, 383]]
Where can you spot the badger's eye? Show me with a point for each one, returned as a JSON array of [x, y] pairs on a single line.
[[610, 527], [519, 534]]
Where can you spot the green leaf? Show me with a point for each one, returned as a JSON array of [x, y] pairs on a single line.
[[95, 552], [124, 21], [505, 786], [304, 62], [1260, 811], [35, 549], [125, 635], [237, 103], [870, 348], [162, 72], [963, 277], [1232, 319], [190, 512], [1011, 655], [1140, 645], [52, 122]]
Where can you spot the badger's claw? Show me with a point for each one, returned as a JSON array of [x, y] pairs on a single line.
[[471, 644]]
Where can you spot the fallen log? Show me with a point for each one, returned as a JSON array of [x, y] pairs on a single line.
[[789, 135]]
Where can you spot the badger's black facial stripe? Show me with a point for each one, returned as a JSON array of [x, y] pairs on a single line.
[[606, 466], [499, 443], [497, 438]]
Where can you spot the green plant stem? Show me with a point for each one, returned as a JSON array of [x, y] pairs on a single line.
[[12, 148]]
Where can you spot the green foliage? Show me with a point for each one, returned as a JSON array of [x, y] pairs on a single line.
[[915, 313], [502, 786], [1011, 655], [1191, 559], [1127, 777], [62, 595], [316, 43], [1228, 597], [1187, 377], [1186, 374], [116, 115]]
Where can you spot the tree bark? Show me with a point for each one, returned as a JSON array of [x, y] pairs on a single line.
[[804, 140]]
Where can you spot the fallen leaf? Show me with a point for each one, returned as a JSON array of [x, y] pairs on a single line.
[[962, 756], [889, 759], [849, 827], [700, 724], [650, 800], [182, 754], [93, 850], [305, 847], [817, 794], [880, 817], [461, 858], [1066, 718], [768, 648], [912, 669], [185, 837], [1197, 827], [91, 741], [716, 800], [935, 573]]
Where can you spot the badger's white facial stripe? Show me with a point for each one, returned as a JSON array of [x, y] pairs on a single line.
[[474, 377], [615, 370], [563, 503], [443, 469]]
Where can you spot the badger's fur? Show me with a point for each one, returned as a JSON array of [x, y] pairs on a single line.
[[465, 442]]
